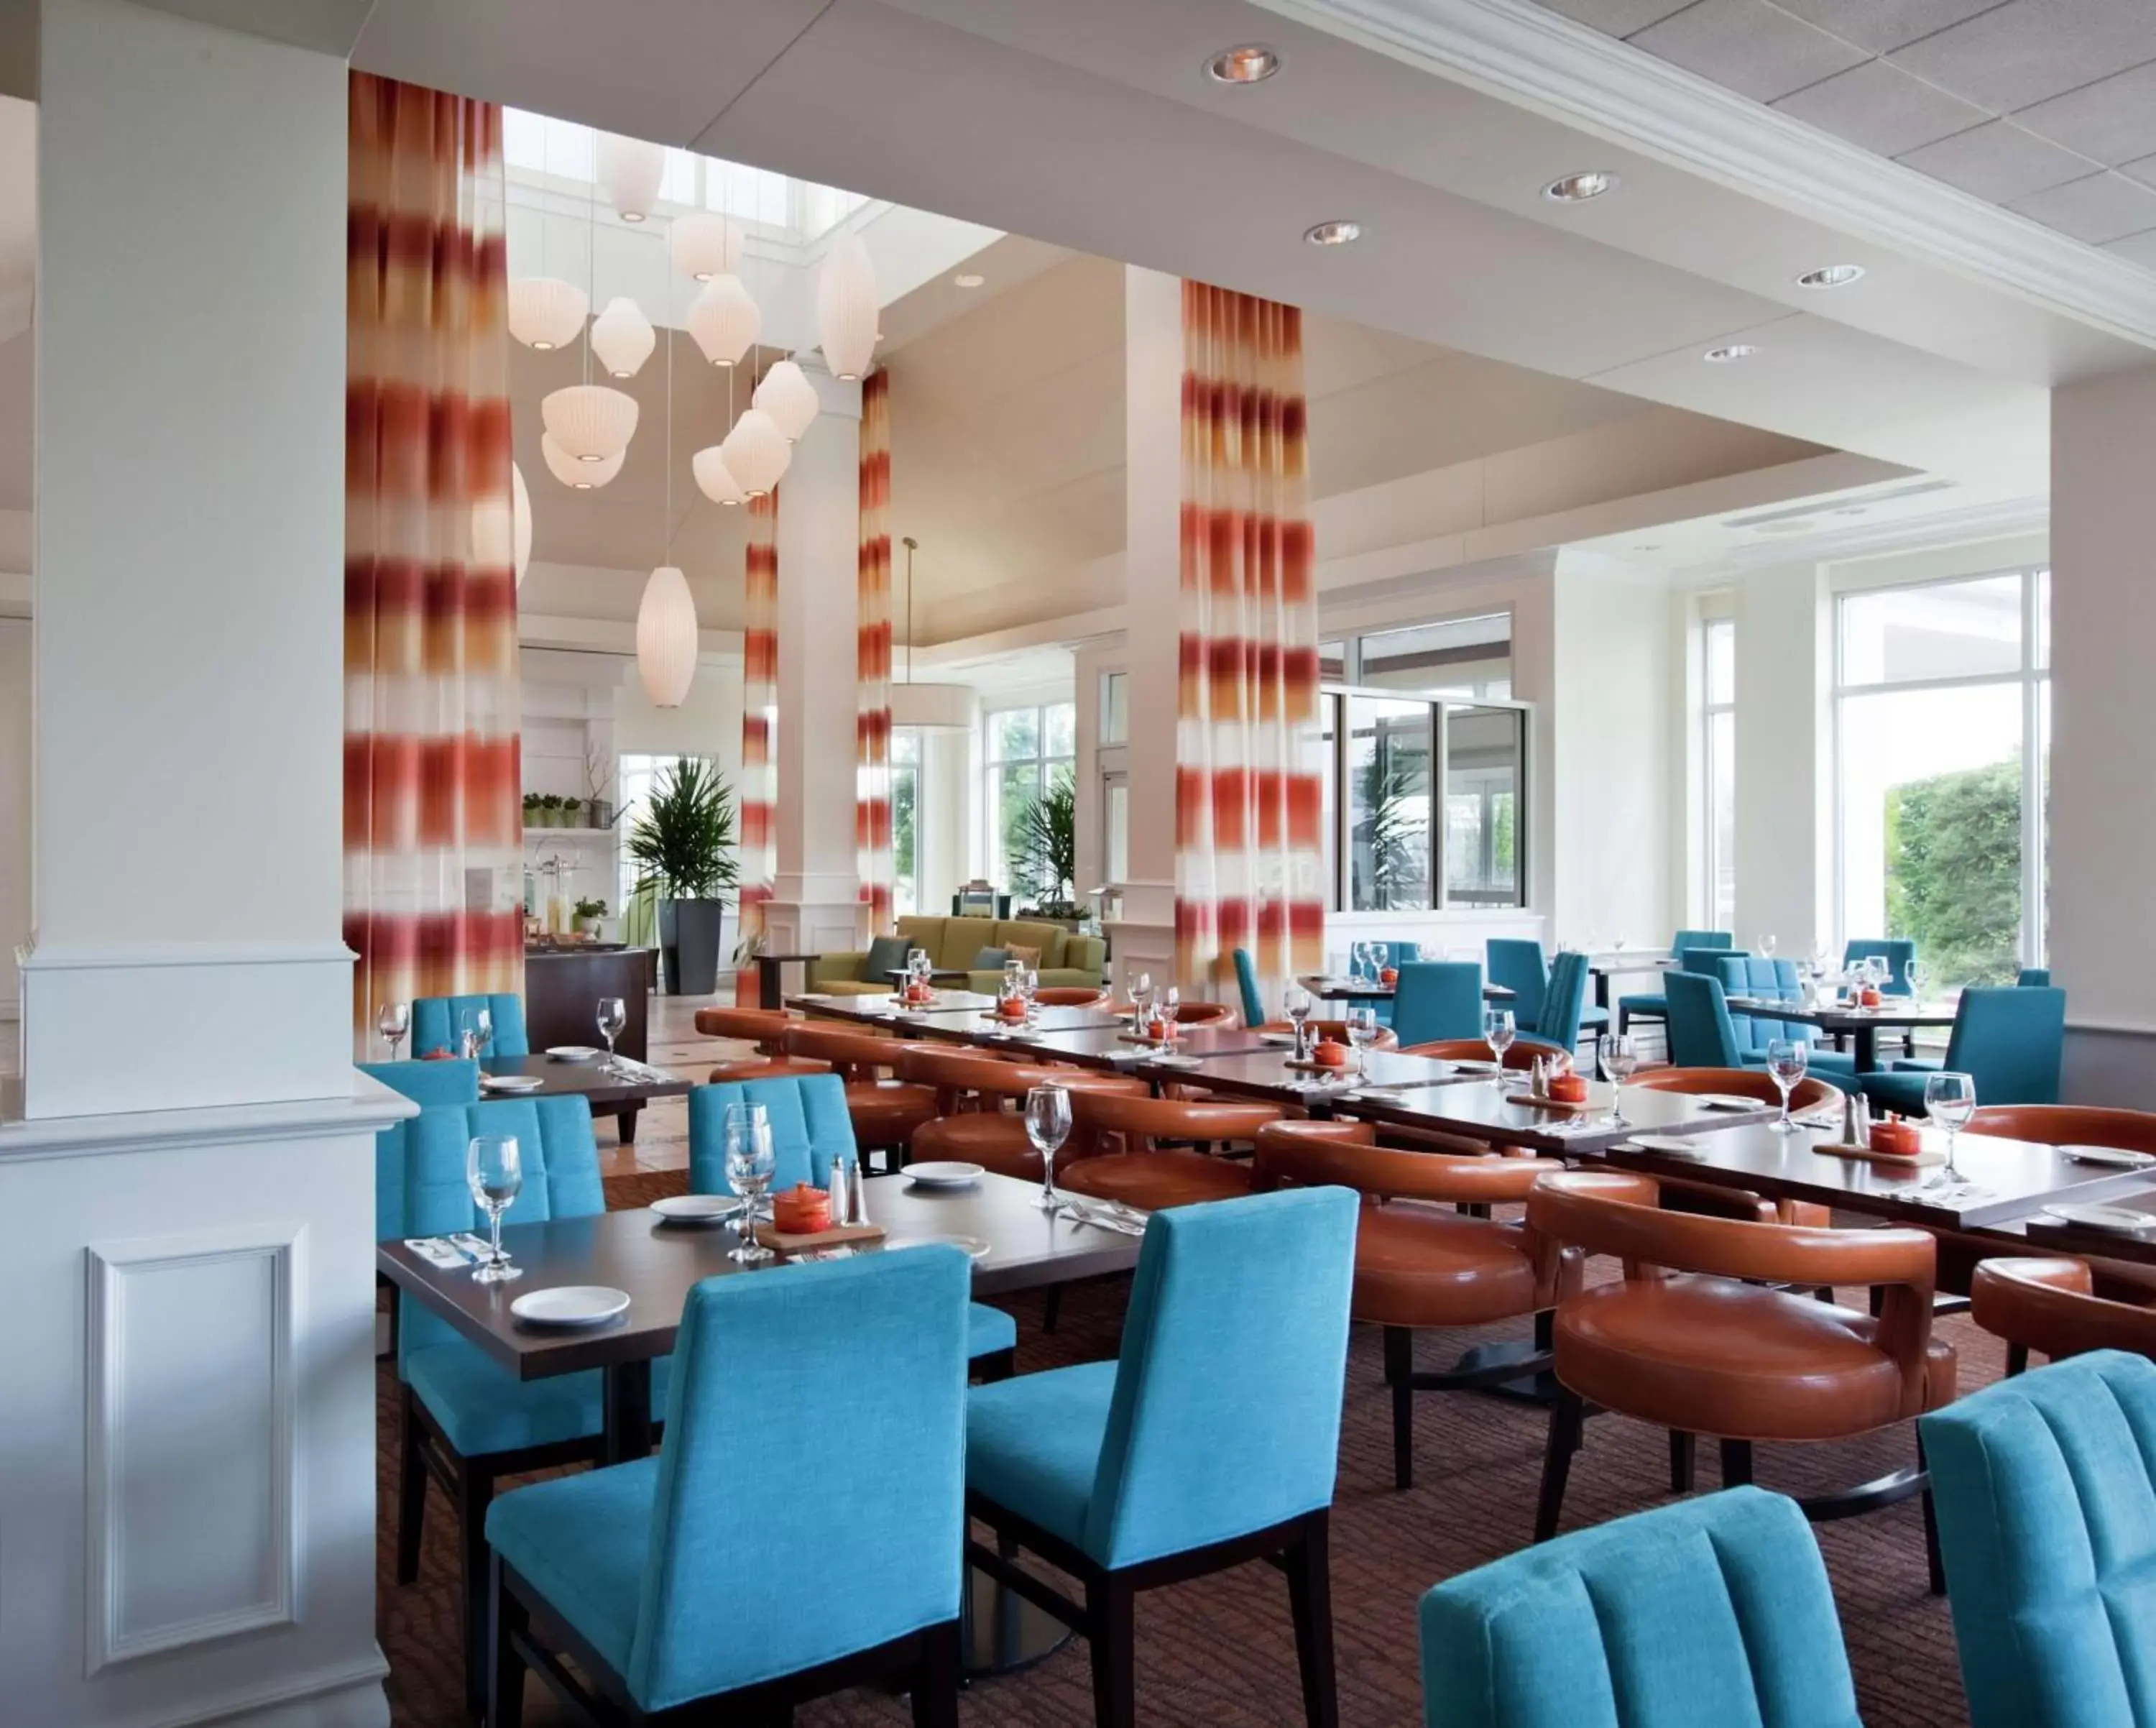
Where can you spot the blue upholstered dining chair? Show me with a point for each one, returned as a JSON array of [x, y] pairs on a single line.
[[465, 1420], [2044, 1486], [2035, 978], [1702, 1614], [1438, 999], [439, 1022], [425, 1082], [1564, 1002], [1703, 1034], [2010, 1041], [1518, 964], [1766, 980], [810, 1127], [671, 1582], [1898, 951], [1246, 982], [1113, 1471], [1651, 1004]]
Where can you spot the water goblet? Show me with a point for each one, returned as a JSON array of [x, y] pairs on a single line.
[[494, 1172], [613, 1016], [1949, 1101], [1497, 1032], [1620, 1057], [1362, 1033], [1916, 972], [392, 1023], [1047, 1126], [478, 1034], [1787, 1059], [750, 1162], [1296, 1004], [1766, 944]]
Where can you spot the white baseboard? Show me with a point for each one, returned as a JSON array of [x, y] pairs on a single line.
[[347, 1696]]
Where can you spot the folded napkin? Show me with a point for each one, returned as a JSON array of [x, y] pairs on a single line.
[[1576, 1125], [437, 1251], [1102, 1219]]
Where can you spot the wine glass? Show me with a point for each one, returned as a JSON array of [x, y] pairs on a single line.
[[1362, 1033], [494, 1171], [1171, 1008], [479, 1033], [613, 1016], [1878, 971], [1047, 1126], [1620, 1057], [1950, 1101], [1820, 956], [1296, 1004], [1028, 985], [1786, 1061], [1766, 944], [1916, 972], [392, 1023], [749, 1166], [1142, 1001], [1497, 1031]]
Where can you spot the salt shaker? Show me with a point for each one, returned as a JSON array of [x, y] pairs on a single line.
[[1856, 1119], [845, 1187]]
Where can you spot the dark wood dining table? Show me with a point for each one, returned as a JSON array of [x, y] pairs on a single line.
[[1861, 1025], [1367, 990], [620, 1095]]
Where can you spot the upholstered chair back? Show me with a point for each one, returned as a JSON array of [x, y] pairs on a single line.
[[439, 1022], [1519, 965], [1700, 1033], [1896, 950], [2011, 1040], [810, 1128], [1763, 981], [423, 1082], [1563, 1002], [1438, 999]]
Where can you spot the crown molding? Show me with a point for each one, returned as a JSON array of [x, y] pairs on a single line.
[[1949, 528], [1518, 51]]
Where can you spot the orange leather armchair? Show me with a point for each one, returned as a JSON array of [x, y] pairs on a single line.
[[1518, 1056], [1071, 995], [1808, 1093], [2055, 1306], [1693, 1340], [1189, 1013], [1123, 1161], [885, 1112], [2068, 1125], [972, 1125], [766, 1029], [1335, 1031]]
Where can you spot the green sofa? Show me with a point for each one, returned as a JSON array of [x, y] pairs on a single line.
[[1066, 958]]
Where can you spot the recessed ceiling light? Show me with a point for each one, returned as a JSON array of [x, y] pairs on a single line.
[[1577, 188], [1833, 275], [969, 281], [1334, 234], [1728, 352], [1253, 63]]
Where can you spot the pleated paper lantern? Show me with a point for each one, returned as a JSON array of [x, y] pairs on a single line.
[[846, 308], [546, 312], [724, 321], [788, 397], [583, 475], [756, 452], [704, 246], [591, 422], [622, 336], [666, 637], [709, 465], [630, 170]]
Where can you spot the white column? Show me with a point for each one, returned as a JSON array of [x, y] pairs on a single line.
[[2103, 715], [814, 902], [186, 1467], [1785, 761]]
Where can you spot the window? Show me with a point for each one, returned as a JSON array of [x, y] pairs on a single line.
[[1389, 794], [1116, 829], [906, 819], [1114, 709], [533, 145], [1029, 750], [1467, 657], [1942, 718], [1484, 748], [1718, 759]]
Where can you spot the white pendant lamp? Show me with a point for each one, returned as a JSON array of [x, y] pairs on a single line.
[[713, 480], [591, 422], [756, 452], [703, 247], [501, 528], [583, 476], [788, 397], [846, 308], [630, 170], [546, 312], [666, 637], [622, 336], [724, 321]]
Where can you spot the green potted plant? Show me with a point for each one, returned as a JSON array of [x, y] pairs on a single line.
[[588, 914], [531, 809], [570, 808], [1043, 844], [550, 810], [683, 848]]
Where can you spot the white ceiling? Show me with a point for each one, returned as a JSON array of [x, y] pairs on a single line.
[[2047, 107]]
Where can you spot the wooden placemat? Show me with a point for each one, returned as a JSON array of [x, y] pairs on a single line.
[[772, 1237], [1873, 1154]]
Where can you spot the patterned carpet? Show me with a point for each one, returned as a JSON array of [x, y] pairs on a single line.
[[1218, 1651]]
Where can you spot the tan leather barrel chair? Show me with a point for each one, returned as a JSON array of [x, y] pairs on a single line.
[[2068, 1125], [766, 1029], [1126, 1162], [1071, 995], [1519, 1057], [1418, 1266], [2055, 1307], [1693, 1339], [973, 1123], [886, 1113], [1809, 1093]]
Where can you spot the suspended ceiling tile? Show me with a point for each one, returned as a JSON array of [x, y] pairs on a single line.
[[2103, 207], [2136, 249], [1997, 161], [1753, 48], [2144, 171], [2113, 121], [1882, 109], [1618, 18], [1884, 25], [2028, 51]]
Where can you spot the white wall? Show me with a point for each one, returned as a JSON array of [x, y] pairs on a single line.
[[14, 804], [1784, 761]]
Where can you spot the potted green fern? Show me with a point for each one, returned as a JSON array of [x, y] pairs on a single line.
[[683, 848]]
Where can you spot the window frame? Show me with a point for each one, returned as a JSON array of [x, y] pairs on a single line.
[[993, 765], [1710, 711]]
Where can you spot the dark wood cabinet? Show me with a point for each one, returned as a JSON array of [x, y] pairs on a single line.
[[561, 991]]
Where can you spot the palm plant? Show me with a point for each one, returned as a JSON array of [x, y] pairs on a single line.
[[683, 843], [1394, 830], [1043, 844]]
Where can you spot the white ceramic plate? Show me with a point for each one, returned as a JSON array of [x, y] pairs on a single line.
[[570, 1305], [2118, 1156], [696, 1208], [1474, 1067], [573, 1052], [1286, 1038], [1174, 1061], [943, 1174], [1671, 1143], [973, 1246], [1729, 1101], [510, 1082], [2124, 1220]]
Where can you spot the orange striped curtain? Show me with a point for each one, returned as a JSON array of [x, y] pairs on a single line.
[[872, 662], [1248, 859], [432, 804], [759, 773]]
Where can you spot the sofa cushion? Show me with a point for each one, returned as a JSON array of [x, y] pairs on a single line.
[[989, 959], [886, 954], [1033, 934], [960, 939], [1028, 957]]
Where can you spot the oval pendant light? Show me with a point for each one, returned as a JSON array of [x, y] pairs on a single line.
[[703, 247], [584, 476], [545, 312], [846, 311], [622, 336], [591, 422], [724, 321], [666, 637], [786, 395], [713, 479], [630, 170], [756, 452]]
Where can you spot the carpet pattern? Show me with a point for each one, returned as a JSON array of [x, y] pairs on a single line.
[[1219, 1651]]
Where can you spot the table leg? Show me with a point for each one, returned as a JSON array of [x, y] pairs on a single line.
[[770, 991], [626, 1120], [628, 1397], [1602, 992], [1867, 1049]]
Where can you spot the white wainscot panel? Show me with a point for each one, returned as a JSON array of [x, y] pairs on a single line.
[[193, 1395]]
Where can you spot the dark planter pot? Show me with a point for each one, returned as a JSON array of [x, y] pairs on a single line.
[[689, 935]]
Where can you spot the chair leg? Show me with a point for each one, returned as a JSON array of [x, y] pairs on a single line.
[[1682, 1454], [1567, 1429], [2017, 1359], [410, 1489], [1736, 1462], [1052, 1309], [504, 1678], [1111, 1631], [936, 1686], [1310, 1602], [1399, 1375], [998, 1365], [1934, 1568], [474, 1494]]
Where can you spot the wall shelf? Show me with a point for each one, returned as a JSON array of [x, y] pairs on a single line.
[[530, 829]]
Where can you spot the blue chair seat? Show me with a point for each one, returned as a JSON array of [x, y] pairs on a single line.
[[1593, 1020], [1902, 1093], [1655, 1007], [1838, 1063], [1915, 1065], [1033, 1444], [484, 1408], [582, 1542], [987, 1330]]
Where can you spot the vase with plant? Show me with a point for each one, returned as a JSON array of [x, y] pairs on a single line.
[[550, 810], [530, 809], [588, 914], [1042, 842], [571, 812], [683, 848]]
